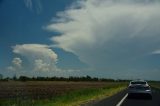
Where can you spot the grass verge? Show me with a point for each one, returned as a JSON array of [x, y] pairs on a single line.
[[74, 98], [155, 86]]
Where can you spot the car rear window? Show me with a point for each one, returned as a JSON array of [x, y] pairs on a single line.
[[138, 82]]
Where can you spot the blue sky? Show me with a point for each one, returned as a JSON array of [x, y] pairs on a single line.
[[20, 25], [24, 25], [113, 39]]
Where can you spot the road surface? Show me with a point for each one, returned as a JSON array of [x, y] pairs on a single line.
[[121, 99]]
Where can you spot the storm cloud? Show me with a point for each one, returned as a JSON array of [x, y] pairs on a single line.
[[118, 36]]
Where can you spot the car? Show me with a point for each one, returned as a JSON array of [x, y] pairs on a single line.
[[139, 88]]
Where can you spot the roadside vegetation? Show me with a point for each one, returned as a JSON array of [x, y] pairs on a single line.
[[41, 91], [155, 85], [70, 98], [82, 96]]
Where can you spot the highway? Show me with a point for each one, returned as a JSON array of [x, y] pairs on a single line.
[[121, 99]]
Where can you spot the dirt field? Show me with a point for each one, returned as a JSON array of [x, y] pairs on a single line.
[[44, 89]]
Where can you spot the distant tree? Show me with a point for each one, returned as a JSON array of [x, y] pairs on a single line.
[[88, 78], [23, 78], [95, 79], [107, 80], [33, 78]]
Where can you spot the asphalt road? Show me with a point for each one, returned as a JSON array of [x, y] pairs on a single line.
[[121, 99]]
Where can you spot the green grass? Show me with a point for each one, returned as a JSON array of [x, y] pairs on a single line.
[[155, 85], [73, 98]]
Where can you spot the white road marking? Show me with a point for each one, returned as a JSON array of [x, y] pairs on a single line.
[[120, 102]]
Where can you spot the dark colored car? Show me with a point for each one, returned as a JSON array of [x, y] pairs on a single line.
[[139, 88]]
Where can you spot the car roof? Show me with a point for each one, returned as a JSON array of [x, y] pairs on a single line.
[[138, 81]]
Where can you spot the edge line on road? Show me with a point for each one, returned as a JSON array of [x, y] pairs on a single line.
[[120, 102]]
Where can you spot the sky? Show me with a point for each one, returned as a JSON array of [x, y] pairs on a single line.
[[117, 39]]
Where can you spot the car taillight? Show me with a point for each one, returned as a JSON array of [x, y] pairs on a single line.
[[146, 88]]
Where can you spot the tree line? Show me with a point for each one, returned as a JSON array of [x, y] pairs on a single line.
[[54, 78], [71, 78]]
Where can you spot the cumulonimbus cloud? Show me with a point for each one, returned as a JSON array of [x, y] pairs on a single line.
[[41, 57], [36, 51], [41, 61], [109, 34]]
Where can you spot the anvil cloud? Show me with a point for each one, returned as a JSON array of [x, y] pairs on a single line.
[[117, 35]]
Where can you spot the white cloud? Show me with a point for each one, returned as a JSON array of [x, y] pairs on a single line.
[[11, 68], [36, 51], [34, 5], [41, 66], [16, 64], [109, 34], [156, 52], [41, 57], [41, 61], [28, 3]]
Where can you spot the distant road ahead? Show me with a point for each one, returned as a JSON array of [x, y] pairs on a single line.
[[121, 99]]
